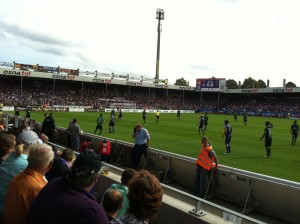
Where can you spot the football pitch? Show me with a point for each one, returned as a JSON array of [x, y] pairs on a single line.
[[181, 137]]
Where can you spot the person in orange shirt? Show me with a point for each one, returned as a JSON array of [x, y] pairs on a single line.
[[206, 161], [25, 186]]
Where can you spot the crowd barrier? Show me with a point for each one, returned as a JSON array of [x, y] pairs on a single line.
[[253, 192]]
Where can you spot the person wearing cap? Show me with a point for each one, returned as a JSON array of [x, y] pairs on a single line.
[[67, 199], [25, 186], [142, 140], [16, 162]]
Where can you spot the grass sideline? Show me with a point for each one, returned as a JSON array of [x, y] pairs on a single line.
[[181, 137]]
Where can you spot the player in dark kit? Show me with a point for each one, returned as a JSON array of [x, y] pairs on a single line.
[[112, 124], [201, 124], [144, 114], [178, 114], [268, 138], [227, 134], [120, 115], [100, 122], [235, 116], [28, 111], [245, 119], [294, 131], [205, 121]]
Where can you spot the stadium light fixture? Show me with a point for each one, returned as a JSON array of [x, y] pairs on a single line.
[[160, 15]]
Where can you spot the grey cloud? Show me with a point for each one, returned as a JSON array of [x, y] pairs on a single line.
[[53, 50], [16, 30]]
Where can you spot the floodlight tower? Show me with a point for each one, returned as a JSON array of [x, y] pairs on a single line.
[[160, 14]]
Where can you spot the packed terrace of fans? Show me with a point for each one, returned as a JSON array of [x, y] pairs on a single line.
[[68, 93]]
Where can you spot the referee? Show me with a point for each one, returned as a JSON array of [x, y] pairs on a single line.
[[142, 140]]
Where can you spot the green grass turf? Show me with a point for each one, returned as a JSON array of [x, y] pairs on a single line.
[[181, 137]]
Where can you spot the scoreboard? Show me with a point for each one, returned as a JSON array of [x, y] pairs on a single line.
[[211, 85]]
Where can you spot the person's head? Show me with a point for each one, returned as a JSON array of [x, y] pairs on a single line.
[[45, 115], [67, 154], [51, 115], [89, 141], [7, 143], [204, 140], [40, 157], [100, 115], [26, 139], [74, 121], [112, 201], [295, 121], [25, 126], [145, 195], [84, 172], [139, 127], [267, 123], [127, 176], [226, 122]]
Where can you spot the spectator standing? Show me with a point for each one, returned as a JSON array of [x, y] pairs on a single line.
[[105, 150], [207, 160], [294, 132], [25, 186], [267, 135], [69, 136], [142, 141], [70, 196], [227, 134], [145, 197], [75, 132], [49, 127], [112, 203], [127, 175]]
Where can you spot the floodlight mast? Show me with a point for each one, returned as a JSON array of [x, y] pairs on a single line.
[[160, 14]]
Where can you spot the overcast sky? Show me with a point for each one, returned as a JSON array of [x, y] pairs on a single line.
[[232, 39]]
